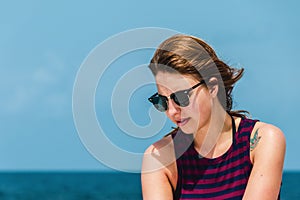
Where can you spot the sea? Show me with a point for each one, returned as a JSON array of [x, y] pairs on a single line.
[[94, 186]]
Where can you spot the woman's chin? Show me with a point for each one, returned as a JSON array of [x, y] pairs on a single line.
[[187, 129]]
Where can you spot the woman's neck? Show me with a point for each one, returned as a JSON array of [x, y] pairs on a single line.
[[214, 136]]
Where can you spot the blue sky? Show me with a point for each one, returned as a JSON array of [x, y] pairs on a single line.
[[43, 44]]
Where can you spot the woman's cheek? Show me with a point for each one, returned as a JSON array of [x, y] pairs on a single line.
[[203, 112]]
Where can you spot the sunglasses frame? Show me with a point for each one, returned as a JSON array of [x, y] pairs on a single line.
[[173, 97]]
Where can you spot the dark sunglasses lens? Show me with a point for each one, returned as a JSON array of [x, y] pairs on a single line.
[[181, 98], [160, 103]]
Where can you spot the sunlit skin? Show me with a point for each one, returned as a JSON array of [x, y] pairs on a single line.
[[212, 128], [196, 118], [185, 117]]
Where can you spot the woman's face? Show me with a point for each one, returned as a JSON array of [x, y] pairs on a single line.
[[192, 117]]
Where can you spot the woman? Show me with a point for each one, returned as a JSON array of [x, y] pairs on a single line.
[[214, 153]]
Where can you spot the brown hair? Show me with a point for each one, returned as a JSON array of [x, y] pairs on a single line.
[[189, 55]]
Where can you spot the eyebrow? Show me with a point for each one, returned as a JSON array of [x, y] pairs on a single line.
[[187, 89]]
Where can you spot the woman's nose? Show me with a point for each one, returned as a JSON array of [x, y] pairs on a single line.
[[173, 108]]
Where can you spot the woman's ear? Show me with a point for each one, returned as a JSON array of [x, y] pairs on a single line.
[[213, 86]]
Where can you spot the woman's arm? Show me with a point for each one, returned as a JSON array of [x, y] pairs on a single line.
[[158, 170], [268, 150], [156, 185]]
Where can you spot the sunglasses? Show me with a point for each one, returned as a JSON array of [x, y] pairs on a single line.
[[181, 98]]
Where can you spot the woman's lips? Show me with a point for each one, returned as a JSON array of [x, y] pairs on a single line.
[[182, 122]]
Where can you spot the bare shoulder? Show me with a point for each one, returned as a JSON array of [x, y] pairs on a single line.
[[268, 131], [267, 138], [165, 142], [159, 172], [159, 155], [267, 145]]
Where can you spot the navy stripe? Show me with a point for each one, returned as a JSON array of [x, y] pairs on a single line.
[[208, 164], [211, 176], [237, 147], [216, 166], [218, 184], [230, 182], [215, 194], [235, 198]]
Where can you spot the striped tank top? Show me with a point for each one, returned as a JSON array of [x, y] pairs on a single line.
[[224, 177]]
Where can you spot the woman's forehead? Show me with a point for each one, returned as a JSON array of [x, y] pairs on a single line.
[[174, 81]]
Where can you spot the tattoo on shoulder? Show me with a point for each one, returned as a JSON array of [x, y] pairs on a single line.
[[254, 141]]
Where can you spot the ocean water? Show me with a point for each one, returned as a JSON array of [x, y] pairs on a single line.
[[94, 186], [69, 186]]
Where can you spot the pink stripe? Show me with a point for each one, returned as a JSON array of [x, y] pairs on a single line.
[[221, 169], [245, 130], [242, 168], [214, 190], [232, 194], [214, 171], [230, 155], [220, 179], [191, 172]]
